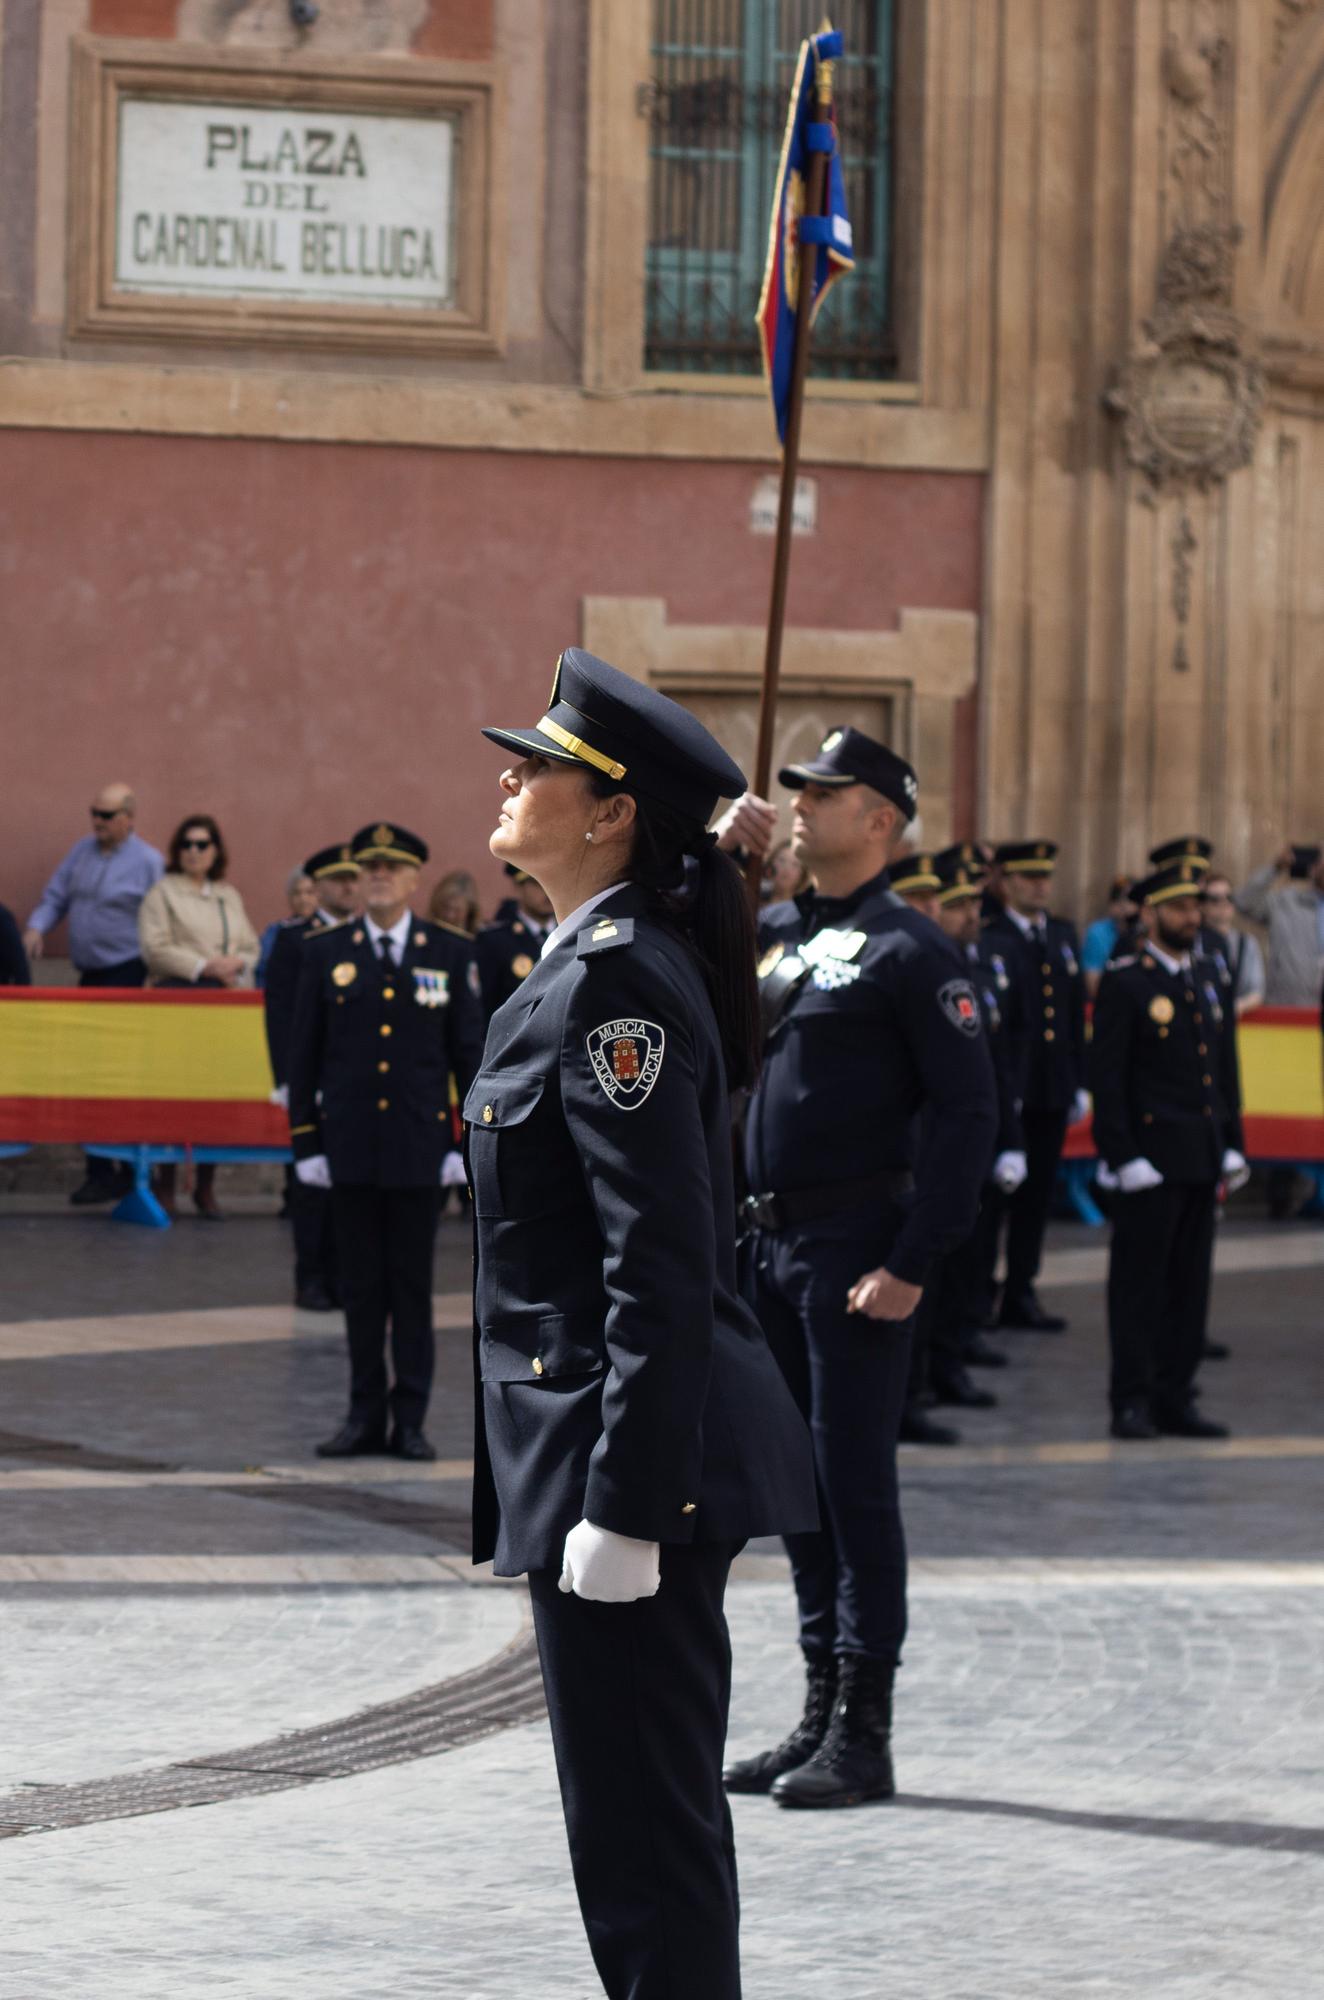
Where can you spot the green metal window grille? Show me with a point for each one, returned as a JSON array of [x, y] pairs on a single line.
[[721, 79]]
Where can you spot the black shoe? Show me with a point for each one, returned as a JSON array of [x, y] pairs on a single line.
[[1133, 1423], [1026, 1315], [354, 1440], [854, 1761], [953, 1385], [917, 1427], [1215, 1350], [408, 1441], [759, 1773], [99, 1187], [314, 1298], [1187, 1422], [980, 1353]]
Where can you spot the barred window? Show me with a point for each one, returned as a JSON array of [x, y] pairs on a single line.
[[722, 73]]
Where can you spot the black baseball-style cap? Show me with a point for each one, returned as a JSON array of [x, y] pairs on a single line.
[[1027, 857], [395, 843], [1178, 878], [1188, 847], [331, 861], [600, 717], [847, 756], [1304, 859]]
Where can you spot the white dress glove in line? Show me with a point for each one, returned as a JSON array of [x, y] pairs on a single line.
[[609, 1568], [1137, 1176], [281, 1096], [1080, 1107], [1009, 1170], [315, 1172], [452, 1170], [1236, 1171]]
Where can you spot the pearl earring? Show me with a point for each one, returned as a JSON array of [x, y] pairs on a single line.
[[588, 836]]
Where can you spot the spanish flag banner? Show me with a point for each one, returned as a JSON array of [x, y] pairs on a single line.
[[826, 235]]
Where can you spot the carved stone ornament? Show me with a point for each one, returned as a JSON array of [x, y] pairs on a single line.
[[1191, 395]]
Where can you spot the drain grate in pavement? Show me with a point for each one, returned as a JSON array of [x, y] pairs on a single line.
[[500, 1694], [59, 1451]]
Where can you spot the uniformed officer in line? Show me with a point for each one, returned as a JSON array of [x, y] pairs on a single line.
[[870, 1019], [385, 1012], [1167, 1124], [1044, 954], [508, 946], [335, 875], [914, 878], [632, 1428], [947, 1326]]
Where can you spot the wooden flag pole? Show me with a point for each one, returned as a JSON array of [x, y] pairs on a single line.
[[781, 560]]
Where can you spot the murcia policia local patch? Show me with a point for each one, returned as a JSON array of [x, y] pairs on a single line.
[[626, 1056], [958, 1003]]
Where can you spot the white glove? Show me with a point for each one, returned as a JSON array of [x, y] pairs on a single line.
[[1236, 1171], [452, 1170], [1137, 1176], [315, 1172], [1009, 1170], [280, 1097], [1080, 1108], [609, 1568]]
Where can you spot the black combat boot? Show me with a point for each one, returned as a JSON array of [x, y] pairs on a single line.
[[756, 1774], [854, 1761]]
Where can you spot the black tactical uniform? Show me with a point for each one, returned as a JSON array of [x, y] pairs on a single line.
[[871, 1018], [371, 1056], [1163, 1069], [315, 1283], [621, 1379], [1045, 961]]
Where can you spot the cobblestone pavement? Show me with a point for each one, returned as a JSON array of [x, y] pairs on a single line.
[[1110, 1722]]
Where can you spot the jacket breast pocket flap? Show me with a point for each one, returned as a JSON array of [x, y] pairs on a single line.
[[496, 1106], [495, 1102], [523, 1347]]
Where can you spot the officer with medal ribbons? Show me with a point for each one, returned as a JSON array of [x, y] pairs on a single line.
[[1044, 952], [385, 1012], [1167, 1125], [632, 1427], [870, 1019], [336, 875]]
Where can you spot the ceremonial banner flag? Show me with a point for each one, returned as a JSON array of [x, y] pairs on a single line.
[[827, 235]]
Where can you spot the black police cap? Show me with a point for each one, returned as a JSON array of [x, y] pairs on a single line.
[[605, 720], [1027, 857], [847, 756], [967, 854], [914, 874], [331, 861], [1178, 878], [395, 843], [1189, 847]]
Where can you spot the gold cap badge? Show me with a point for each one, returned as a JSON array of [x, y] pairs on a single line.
[[383, 835]]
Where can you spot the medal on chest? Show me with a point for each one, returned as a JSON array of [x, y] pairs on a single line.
[[431, 989]]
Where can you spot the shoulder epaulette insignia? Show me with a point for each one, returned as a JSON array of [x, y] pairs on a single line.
[[610, 935], [1120, 964], [440, 924]]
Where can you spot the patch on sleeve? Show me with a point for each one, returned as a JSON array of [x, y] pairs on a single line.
[[958, 1003], [626, 1056], [474, 979]]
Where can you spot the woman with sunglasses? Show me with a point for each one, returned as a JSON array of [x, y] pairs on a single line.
[[195, 931], [633, 1429]]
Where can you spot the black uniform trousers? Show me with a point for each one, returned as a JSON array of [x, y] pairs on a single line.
[[1158, 1291], [638, 1696], [946, 1316], [314, 1238], [1027, 1209], [384, 1243], [849, 1376]]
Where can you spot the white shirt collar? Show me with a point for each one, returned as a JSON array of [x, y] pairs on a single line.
[[398, 933], [575, 921], [1027, 926], [1166, 960]]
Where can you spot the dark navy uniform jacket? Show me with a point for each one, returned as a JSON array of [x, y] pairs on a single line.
[[282, 985], [1053, 993], [1003, 1008], [1163, 1068], [620, 1376], [373, 1048], [887, 1023], [507, 953]]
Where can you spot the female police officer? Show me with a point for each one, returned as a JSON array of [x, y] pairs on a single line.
[[632, 1427]]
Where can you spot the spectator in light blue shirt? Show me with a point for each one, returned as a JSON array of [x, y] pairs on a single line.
[[98, 888], [1106, 937]]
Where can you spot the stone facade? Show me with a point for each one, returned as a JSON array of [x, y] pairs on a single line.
[[1066, 559]]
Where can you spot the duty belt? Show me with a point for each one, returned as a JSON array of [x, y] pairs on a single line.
[[786, 1211]]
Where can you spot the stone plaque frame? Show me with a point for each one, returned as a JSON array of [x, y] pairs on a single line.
[[468, 93]]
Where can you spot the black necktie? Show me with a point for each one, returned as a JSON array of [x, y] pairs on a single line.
[[386, 951]]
